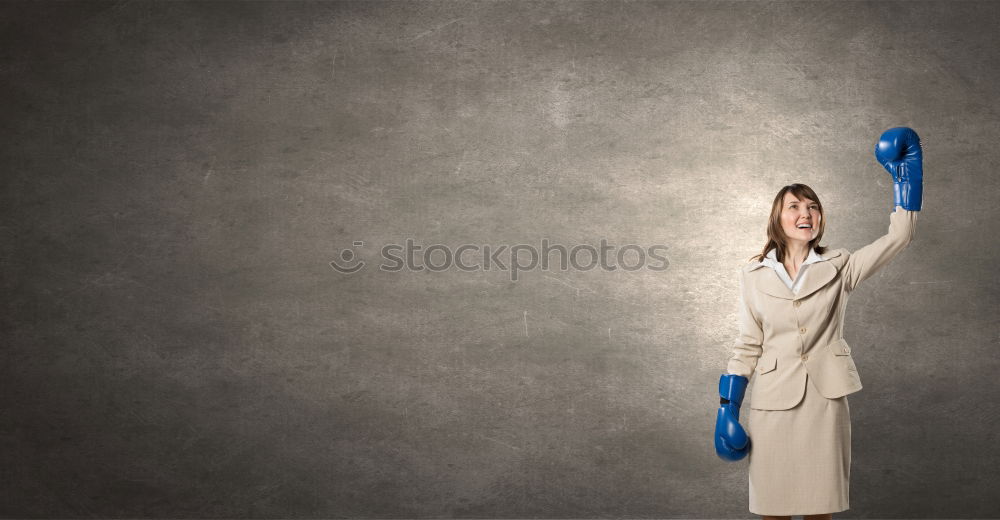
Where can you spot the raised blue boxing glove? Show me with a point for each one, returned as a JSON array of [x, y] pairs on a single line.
[[898, 150], [731, 441]]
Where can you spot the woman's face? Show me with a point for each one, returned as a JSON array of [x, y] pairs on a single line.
[[800, 219]]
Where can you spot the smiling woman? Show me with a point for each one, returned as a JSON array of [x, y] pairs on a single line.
[[798, 434], [795, 230]]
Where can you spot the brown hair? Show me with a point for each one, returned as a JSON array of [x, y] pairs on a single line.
[[776, 238]]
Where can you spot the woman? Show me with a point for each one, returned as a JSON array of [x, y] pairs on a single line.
[[793, 294]]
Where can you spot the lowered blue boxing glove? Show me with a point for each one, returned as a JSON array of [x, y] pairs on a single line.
[[898, 150], [731, 441]]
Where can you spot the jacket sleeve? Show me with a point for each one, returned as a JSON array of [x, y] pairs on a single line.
[[866, 261], [748, 345]]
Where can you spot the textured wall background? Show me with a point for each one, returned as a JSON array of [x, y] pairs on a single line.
[[177, 176]]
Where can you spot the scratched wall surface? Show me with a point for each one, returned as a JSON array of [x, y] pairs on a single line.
[[177, 178]]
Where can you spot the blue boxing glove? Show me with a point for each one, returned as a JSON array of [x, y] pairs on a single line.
[[731, 441], [898, 150]]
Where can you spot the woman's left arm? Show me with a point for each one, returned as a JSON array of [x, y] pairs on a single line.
[[869, 259], [899, 151]]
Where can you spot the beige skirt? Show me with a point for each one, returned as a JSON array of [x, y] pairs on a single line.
[[800, 459]]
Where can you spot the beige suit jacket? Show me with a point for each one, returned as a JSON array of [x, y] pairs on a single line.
[[785, 336]]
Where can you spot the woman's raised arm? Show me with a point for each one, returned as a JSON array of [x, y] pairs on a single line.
[[899, 151], [869, 259]]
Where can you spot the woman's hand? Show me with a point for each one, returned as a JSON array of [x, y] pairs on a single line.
[[898, 150], [731, 440]]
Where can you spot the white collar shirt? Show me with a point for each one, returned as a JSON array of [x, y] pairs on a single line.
[[771, 261]]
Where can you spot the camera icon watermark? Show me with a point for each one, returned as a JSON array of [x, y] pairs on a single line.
[[517, 258]]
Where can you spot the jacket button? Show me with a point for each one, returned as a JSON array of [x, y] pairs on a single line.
[[805, 357], [797, 303], [802, 330]]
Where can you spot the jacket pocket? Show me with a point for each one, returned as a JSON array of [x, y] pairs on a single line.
[[842, 352], [840, 348], [766, 365]]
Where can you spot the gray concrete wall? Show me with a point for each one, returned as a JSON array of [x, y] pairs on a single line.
[[178, 176]]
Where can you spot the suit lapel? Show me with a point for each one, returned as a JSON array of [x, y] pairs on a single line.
[[768, 282], [820, 274]]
